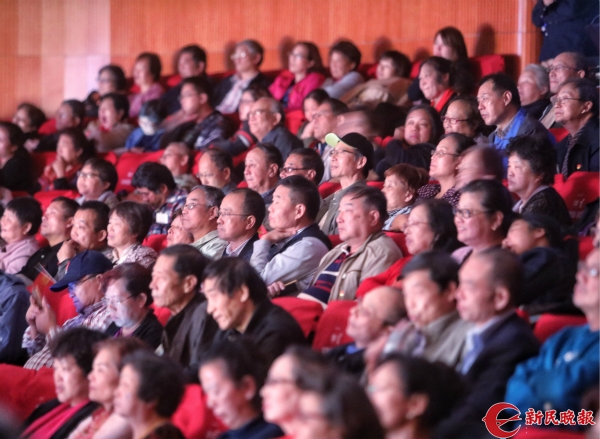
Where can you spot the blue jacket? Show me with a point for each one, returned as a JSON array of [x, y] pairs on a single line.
[[14, 301]]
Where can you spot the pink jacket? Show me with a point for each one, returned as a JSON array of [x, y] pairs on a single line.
[[13, 257], [311, 82]]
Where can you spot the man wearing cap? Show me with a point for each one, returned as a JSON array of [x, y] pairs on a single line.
[[82, 278], [351, 161]]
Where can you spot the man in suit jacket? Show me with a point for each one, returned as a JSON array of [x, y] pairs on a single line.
[[487, 294], [241, 214]]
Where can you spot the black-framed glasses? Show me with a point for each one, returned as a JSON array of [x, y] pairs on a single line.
[[442, 154], [467, 213], [192, 206], [226, 214], [452, 120], [115, 301], [289, 169], [559, 101], [559, 67]]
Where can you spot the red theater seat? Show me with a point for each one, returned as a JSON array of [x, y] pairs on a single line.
[[549, 324], [45, 198], [486, 65], [293, 120], [156, 242], [331, 330], [194, 418], [559, 133], [400, 240], [24, 389], [578, 190], [328, 188], [375, 184], [40, 160], [305, 312], [127, 165]]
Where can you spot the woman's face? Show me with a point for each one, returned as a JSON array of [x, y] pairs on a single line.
[[125, 311], [442, 49], [141, 73], [520, 176], [419, 236], [417, 128], [126, 399], [431, 83], [396, 193], [22, 120], [106, 83], [387, 395], [245, 105], [444, 159], [385, 69], [177, 234], [311, 422], [104, 377], [529, 91], [6, 149], [310, 108], [456, 119], [298, 61], [279, 394], [11, 229], [568, 107], [119, 232], [476, 229], [339, 65], [70, 381], [108, 116], [65, 149]]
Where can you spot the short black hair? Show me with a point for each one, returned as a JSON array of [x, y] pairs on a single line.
[[437, 128], [441, 222], [120, 102], [506, 271], [77, 108], [106, 171], [101, 212], [539, 152], [490, 158], [198, 53], [272, 153], [188, 261], [36, 116], [494, 198], [337, 106], [442, 66], [230, 274], [253, 205], [501, 83], [138, 217], [80, 142], [27, 210], [372, 198], [549, 224], [587, 92], [474, 119], [257, 91], [220, 158], [15, 133], [318, 95], [118, 76], [199, 83], [349, 50], [303, 191], [311, 160], [160, 380], [135, 277], [461, 141], [154, 64], [77, 342], [441, 267], [401, 63], [152, 176], [154, 110], [240, 358], [68, 206]]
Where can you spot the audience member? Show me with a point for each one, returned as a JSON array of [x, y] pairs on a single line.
[[20, 223], [344, 59], [462, 116], [15, 162], [111, 79], [479, 163], [199, 217], [436, 81], [128, 226], [97, 181], [364, 252], [534, 89], [215, 168], [177, 234], [83, 282], [326, 119], [351, 161], [149, 391], [443, 168], [287, 256], [237, 300], [490, 283], [266, 121], [401, 186], [147, 137], [531, 169], [128, 297], [241, 213], [14, 302], [232, 374], [247, 58], [261, 170], [310, 105], [178, 159], [305, 74], [112, 129], [576, 108], [73, 354], [146, 76], [56, 226], [305, 162], [29, 118], [156, 187], [70, 114], [175, 285]]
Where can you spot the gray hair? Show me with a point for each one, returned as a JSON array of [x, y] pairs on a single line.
[[540, 75], [212, 195]]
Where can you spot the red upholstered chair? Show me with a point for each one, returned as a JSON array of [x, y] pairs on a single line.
[[368, 71], [242, 184], [194, 418], [60, 302], [40, 160], [110, 157], [375, 184], [335, 240], [331, 330], [328, 188], [530, 432], [195, 162], [578, 190], [171, 80], [486, 65], [48, 127], [162, 314], [414, 72], [45, 198], [400, 240], [17, 194], [586, 245], [24, 389], [549, 324], [240, 158], [305, 312], [559, 133], [127, 165], [156, 242], [293, 120]]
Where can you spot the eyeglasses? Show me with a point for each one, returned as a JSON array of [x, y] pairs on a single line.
[[296, 55], [200, 176], [452, 120], [188, 95], [115, 301], [192, 206], [87, 175], [336, 152], [559, 101], [258, 112], [442, 154], [467, 213], [222, 214], [589, 271], [559, 67], [290, 169], [240, 55], [73, 285]]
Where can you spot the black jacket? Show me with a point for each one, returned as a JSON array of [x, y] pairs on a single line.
[[149, 331]]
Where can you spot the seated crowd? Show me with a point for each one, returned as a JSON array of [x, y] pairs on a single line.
[[428, 206]]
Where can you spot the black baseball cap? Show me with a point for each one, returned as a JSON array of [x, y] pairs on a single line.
[[356, 141], [85, 263]]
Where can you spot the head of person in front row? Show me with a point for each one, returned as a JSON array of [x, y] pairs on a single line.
[[462, 116], [201, 211], [241, 214], [154, 183], [263, 165], [215, 168], [400, 188], [479, 163], [20, 222], [532, 230], [498, 99], [89, 227], [96, 178], [176, 233], [305, 162]]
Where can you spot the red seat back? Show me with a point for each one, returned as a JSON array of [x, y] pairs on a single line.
[[48, 127], [375, 184], [60, 302], [293, 120], [305, 312], [195, 160], [127, 165], [328, 188], [109, 156], [559, 133], [162, 314], [549, 324], [194, 418], [45, 198], [24, 389], [40, 160], [156, 242], [586, 245], [486, 65], [400, 240], [578, 190], [331, 330], [335, 240]]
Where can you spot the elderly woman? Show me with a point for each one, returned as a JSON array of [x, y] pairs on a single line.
[[72, 352], [443, 168], [462, 116], [534, 88], [305, 74], [344, 59], [111, 130], [435, 82], [482, 217], [128, 225], [149, 391], [146, 76], [176, 233], [128, 298], [400, 189], [19, 224], [15, 162], [97, 181], [531, 165], [111, 79], [576, 108]]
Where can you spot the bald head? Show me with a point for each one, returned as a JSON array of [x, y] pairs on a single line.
[[566, 65]]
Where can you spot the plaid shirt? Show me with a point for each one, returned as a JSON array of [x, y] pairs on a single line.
[[164, 214], [96, 316]]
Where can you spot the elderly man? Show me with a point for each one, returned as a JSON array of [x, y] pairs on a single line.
[[287, 256], [500, 105], [56, 226], [156, 186], [261, 172], [83, 278], [215, 168], [175, 285], [199, 217], [237, 299], [372, 318], [325, 121], [490, 283], [241, 214], [351, 161], [178, 160], [305, 162], [266, 119], [364, 252]]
